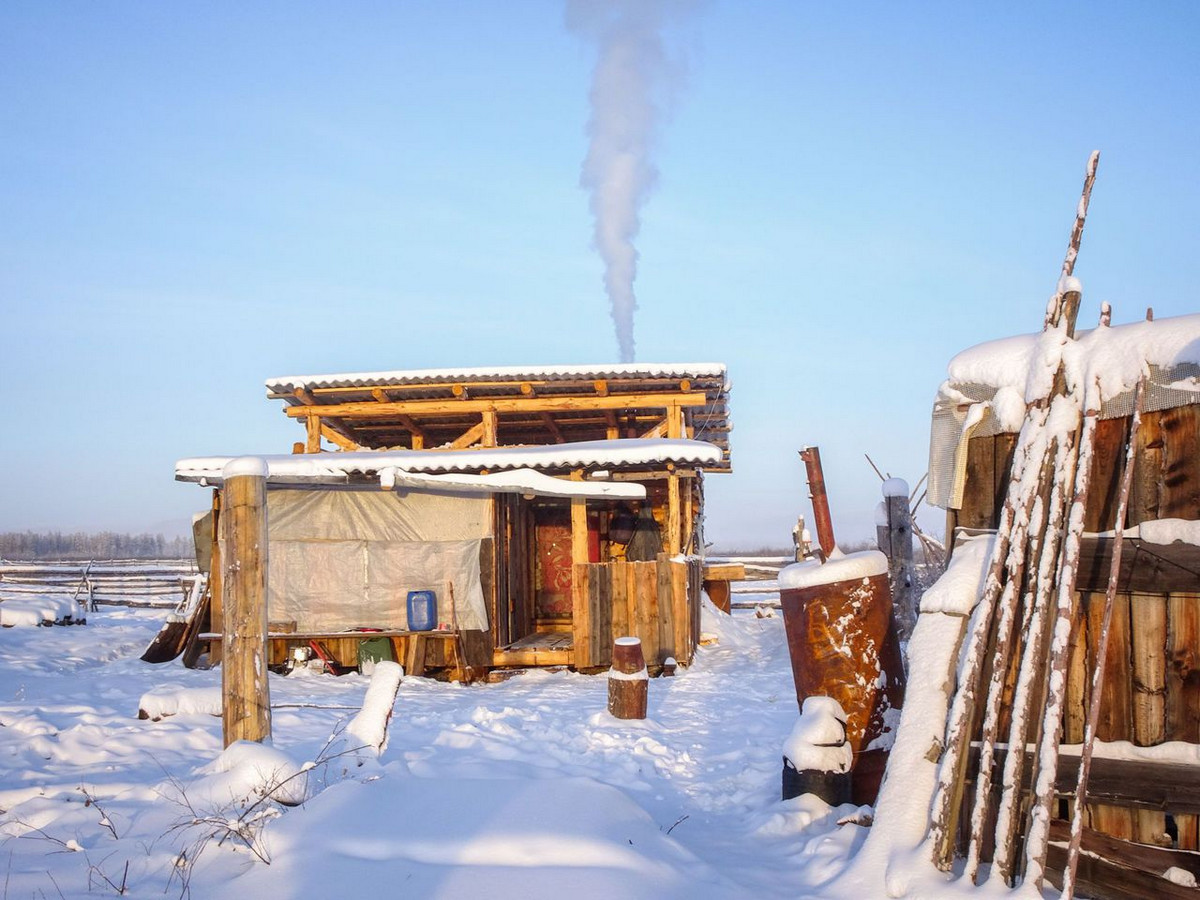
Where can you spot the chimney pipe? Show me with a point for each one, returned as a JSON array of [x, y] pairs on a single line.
[[820, 502]]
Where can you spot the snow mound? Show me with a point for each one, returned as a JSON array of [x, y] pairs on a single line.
[[173, 700], [33, 611], [463, 837], [246, 772], [371, 722], [959, 588], [818, 741]]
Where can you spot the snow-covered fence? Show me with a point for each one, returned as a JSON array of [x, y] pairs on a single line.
[[135, 582]]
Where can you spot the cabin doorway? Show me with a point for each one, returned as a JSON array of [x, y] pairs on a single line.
[[540, 580]]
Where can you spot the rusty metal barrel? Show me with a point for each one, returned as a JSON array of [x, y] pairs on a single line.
[[843, 644]]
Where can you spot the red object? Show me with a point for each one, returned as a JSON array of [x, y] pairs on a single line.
[[843, 645], [820, 502]]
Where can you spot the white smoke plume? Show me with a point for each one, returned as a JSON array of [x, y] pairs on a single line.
[[632, 86]]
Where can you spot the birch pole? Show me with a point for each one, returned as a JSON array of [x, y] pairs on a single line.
[[1089, 733], [1007, 563]]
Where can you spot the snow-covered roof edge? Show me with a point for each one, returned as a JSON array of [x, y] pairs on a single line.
[[286, 383], [584, 454], [1113, 358]]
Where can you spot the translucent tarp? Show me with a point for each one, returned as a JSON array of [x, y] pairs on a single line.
[[341, 559]]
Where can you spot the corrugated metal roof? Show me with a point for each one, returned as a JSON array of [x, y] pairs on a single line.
[[286, 383], [584, 454]]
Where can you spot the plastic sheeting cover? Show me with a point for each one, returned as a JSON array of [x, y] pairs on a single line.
[[344, 559]]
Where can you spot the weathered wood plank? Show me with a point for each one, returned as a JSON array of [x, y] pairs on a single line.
[[619, 605], [1179, 485], [1148, 633], [581, 622], [1116, 713], [666, 636], [647, 609], [1183, 691], [600, 601]]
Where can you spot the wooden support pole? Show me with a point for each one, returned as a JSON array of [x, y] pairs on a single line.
[[674, 516], [628, 680], [674, 422], [489, 428], [900, 552], [579, 525], [245, 694], [313, 444]]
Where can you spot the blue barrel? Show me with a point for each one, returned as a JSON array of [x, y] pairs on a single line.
[[422, 610]]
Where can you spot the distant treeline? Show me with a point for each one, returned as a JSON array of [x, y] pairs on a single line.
[[84, 546]]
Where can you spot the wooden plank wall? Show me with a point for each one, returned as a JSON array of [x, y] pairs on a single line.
[[1152, 678], [1151, 695], [658, 602]]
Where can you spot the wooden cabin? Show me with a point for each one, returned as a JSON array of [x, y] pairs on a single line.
[[550, 509], [1151, 689]]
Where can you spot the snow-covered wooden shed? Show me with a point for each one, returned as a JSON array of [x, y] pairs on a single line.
[[562, 506], [1144, 784]]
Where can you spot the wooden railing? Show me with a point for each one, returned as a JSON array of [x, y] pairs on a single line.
[[150, 583], [658, 602]]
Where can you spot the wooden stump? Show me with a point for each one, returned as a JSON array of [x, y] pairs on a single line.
[[246, 701], [628, 679]]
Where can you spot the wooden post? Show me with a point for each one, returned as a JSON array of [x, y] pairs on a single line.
[[674, 515], [628, 679], [489, 428], [579, 525], [313, 444], [245, 695], [216, 582], [900, 550]]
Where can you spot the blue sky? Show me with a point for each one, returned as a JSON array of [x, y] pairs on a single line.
[[196, 197]]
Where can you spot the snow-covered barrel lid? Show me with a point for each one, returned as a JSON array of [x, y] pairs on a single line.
[[840, 567]]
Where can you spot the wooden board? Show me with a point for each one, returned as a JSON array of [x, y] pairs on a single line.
[[1116, 715], [1182, 705], [1148, 636]]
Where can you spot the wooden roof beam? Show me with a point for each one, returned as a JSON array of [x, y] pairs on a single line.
[[553, 428], [656, 431], [375, 409], [337, 438], [471, 436]]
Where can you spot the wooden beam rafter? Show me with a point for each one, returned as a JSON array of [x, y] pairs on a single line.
[[471, 436], [659, 429], [552, 427], [435, 407]]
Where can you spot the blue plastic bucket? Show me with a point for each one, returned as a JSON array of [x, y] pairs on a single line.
[[422, 611]]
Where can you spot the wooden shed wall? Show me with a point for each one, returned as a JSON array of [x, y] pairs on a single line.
[[1152, 668]]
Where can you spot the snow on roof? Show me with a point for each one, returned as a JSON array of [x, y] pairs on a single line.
[[1115, 357], [583, 454], [285, 383]]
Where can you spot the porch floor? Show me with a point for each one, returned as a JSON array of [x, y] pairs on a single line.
[[549, 648]]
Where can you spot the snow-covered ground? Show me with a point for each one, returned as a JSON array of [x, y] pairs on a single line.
[[521, 789]]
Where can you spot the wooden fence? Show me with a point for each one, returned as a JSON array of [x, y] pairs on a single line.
[[142, 583], [658, 602]]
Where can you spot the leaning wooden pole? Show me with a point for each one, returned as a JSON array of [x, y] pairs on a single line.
[[1031, 482], [245, 695]]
